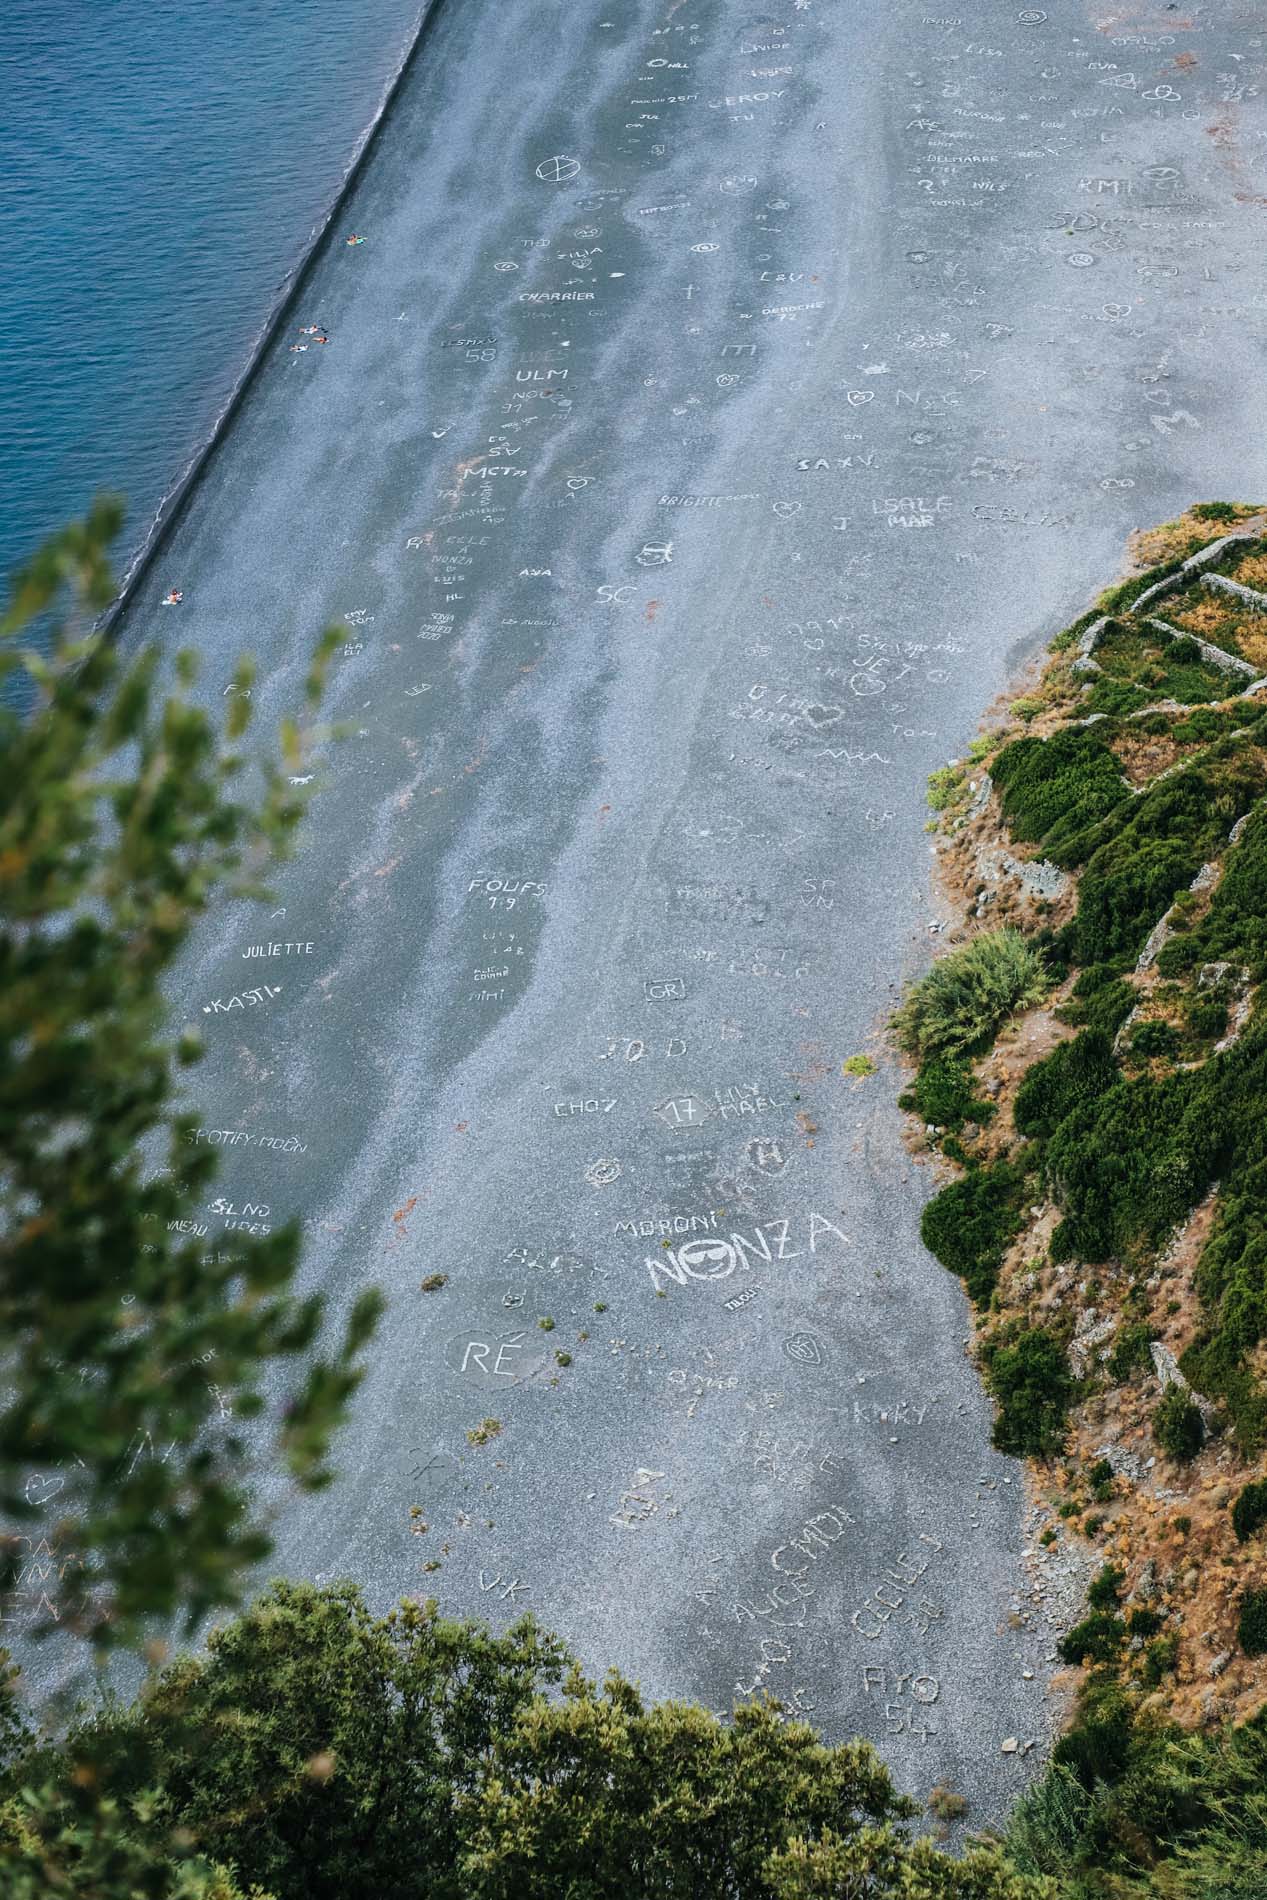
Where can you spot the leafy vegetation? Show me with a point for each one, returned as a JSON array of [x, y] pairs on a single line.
[[1055, 792], [1249, 1513], [1132, 1809], [969, 1224], [1178, 1425], [944, 1094], [1029, 1376], [1142, 664], [319, 1753], [1074, 1075], [969, 993], [122, 820], [1251, 1628]]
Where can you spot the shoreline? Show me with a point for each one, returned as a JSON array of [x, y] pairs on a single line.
[[172, 504]]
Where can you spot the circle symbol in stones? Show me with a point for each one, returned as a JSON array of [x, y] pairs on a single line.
[[1031, 16], [706, 250], [505, 267], [553, 171], [803, 1349], [1080, 260], [603, 1172]]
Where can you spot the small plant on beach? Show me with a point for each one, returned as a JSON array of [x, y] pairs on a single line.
[[945, 1805], [484, 1432], [859, 1066], [969, 994]]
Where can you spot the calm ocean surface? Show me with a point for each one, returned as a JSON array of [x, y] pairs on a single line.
[[162, 166]]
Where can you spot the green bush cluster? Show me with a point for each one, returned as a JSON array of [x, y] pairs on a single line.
[[944, 1093], [969, 1225], [1029, 1376], [1105, 1589], [969, 993], [1055, 792], [1251, 1628], [1135, 1809], [315, 1752], [1096, 1638], [1234, 929], [1249, 1513], [1101, 999], [1074, 1075], [1155, 848], [1178, 1426], [1130, 1351], [1151, 1038], [1141, 664]]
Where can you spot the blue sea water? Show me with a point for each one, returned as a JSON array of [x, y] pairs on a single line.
[[162, 167]]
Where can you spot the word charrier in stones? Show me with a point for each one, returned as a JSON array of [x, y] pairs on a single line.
[[278, 950]]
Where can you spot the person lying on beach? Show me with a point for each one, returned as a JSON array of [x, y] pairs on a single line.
[[354, 239], [173, 597]]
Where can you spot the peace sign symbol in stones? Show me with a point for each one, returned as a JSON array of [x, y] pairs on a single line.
[[554, 170]]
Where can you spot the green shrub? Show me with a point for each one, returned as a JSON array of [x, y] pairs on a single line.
[[1130, 1351], [1184, 651], [1100, 1478], [1115, 599], [1207, 1016], [1132, 1165], [1235, 926], [1116, 698], [1213, 511], [1029, 1377], [1073, 1075], [1149, 1039], [1160, 1659], [969, 993], [1143, 1622], [947, 786], [1178, 1426], [1101, 999], [943, 1094], [1149, 852], [1098, 1746], [969, 1224], [1249, 1512], [1097, 1638], [1055, 791], [1251, 1628], [1105, 1590]]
